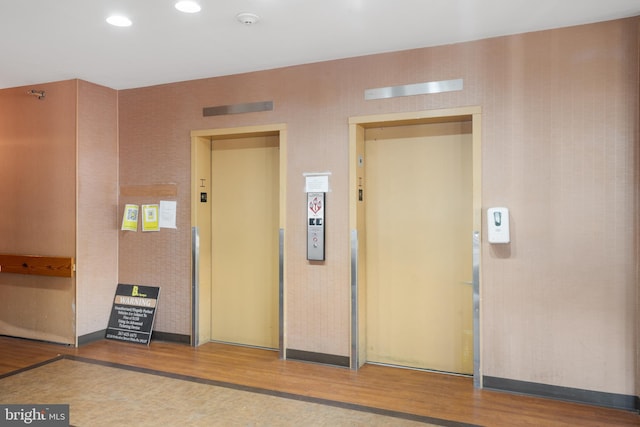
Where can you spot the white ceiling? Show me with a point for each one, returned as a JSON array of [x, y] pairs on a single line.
[[51, 40]]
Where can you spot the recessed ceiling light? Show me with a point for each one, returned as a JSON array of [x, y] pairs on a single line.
[[188, 6], [119, 21]]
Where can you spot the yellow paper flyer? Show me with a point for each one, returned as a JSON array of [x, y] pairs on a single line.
[[150, 218], [130, 218]]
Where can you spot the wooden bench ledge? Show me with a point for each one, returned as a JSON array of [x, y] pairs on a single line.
[[38, 265]]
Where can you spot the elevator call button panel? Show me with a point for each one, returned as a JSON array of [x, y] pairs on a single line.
[[315, 226]]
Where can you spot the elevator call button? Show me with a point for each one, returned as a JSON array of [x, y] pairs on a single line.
[[315, 226]]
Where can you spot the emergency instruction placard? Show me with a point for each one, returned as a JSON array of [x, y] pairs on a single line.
[[133, 313]]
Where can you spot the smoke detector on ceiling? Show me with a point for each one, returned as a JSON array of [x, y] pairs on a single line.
[[247, 18]]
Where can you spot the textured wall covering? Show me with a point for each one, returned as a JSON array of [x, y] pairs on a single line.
[[97, 225], [559, 148], [58, 186], [38, 200]]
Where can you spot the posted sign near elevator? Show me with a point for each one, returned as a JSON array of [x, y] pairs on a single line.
[[133, 313]]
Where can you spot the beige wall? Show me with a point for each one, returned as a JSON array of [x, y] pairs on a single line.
[[37, 195], [58, 186], [97, 215], [558, 305], [560, 149]]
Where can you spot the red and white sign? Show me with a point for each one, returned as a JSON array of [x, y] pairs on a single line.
[[315, 205]]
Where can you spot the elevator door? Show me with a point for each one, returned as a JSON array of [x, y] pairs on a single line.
[[419, 221], [244, 241]]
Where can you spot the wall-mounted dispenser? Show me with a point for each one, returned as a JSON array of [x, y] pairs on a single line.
[[498, 225]]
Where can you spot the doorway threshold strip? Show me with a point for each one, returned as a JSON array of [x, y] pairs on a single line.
[[243, 388]]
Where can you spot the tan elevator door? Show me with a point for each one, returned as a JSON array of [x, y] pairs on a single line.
[[244, 233], [419, 214]]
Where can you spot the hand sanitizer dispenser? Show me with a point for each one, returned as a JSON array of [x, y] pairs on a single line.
[[498, 225]]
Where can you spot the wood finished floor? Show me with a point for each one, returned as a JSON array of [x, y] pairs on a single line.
[[414, 392]]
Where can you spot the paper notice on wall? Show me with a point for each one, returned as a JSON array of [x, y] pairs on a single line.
[[130, 218], [150, 221], [168, 213], [316, 182]]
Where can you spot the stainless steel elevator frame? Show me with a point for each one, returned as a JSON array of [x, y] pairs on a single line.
[[195, 281]]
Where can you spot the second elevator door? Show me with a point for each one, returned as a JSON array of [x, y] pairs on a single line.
[[244, 205], [418, 246]]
